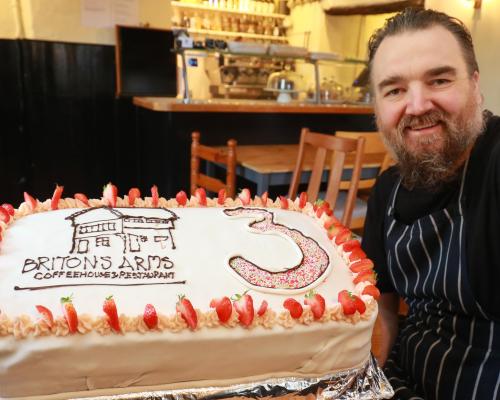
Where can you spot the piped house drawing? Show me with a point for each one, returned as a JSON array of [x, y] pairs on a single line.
[[103, 227]]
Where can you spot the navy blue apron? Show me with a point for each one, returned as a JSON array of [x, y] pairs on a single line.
[[446, 346]]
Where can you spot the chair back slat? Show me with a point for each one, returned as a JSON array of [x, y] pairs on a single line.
[[225, 156], [337, 148]]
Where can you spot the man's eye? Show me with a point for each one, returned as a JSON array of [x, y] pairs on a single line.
[[393, 92], [440, 82]]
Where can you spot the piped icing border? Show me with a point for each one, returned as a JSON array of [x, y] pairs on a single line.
[[352, 307]]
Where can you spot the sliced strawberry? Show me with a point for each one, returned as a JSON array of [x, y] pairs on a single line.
[[221, 197], [187, 312], [343, 235], [150, 317], [155, 196], [347, 301], [243, 304], [46, 315], [360, 304], [223, 308], [368, 276], [364, 264], [9, 208], [110, 194], [81, 197], [357, 254], [133, 194], [316, 302], [334, 229], [294, 307], [201, 195], [30, 201], [54, 202], [330, 222], [4, 215], [69, 313], [262, 308], [302, 200], [351, 244], [245, 196], [283, 203], [109, 308], [264, 198], [372, 290], [181, 198]]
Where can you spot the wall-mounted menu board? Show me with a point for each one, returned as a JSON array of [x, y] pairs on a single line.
[[145, 64]]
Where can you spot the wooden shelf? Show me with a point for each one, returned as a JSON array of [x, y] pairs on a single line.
[[235, 34], [222, 10]]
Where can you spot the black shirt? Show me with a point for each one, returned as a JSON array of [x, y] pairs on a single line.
[[481, 211]]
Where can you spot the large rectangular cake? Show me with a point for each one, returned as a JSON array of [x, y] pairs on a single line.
[[124, 294]]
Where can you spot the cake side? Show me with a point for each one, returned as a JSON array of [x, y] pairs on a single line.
[[32, 337]]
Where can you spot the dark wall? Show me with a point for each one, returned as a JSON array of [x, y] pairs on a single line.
[[61, 123]]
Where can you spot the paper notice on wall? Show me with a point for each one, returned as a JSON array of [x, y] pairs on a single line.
[[108, 13]]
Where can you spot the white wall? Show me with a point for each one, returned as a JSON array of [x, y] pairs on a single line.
[[349, 36], [60, 20], [484, 25]]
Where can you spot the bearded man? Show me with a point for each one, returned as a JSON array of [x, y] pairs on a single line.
[[433, 221]]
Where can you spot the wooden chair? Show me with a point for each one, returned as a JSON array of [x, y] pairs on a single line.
[[225, 156], [338, 147], [375, 156]]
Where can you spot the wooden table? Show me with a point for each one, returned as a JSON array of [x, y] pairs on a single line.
[[270, 165]]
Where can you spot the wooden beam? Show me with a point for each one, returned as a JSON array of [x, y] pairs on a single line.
[[394, 6]]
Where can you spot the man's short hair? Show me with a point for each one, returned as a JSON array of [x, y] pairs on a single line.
[[414, 19]]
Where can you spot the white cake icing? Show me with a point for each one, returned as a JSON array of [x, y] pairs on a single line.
[[160, 253]]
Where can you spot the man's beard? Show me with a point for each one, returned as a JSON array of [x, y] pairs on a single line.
[[427, 167]]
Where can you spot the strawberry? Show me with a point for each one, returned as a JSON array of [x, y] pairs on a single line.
[[243, 304], [70, 313], [350, 245], [264, 198], [316, 302], [54, 202], [110, 193], [155, 196], [262, 308], [30, 200], [223, 308], [181, 198], [372, 291], [9, 208], [133, 194], [221, 197], [368, 276], [343, 235], [81, 197], [4, 215], [187, 312], [322, 206], [150, 317], [245, 197], [109, 308], [334, 229], [302, 200], [346, 300], [357, 254], [46, 315], [330, 222], [361, 265], [201, 195], [294, 307], [284, 202]]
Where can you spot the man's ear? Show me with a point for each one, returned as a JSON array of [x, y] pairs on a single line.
[[476, 87]]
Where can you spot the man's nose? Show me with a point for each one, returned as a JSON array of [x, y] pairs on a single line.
[[418, 100]]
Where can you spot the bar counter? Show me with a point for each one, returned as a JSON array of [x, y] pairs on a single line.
[[164, 127], [166, 104]]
